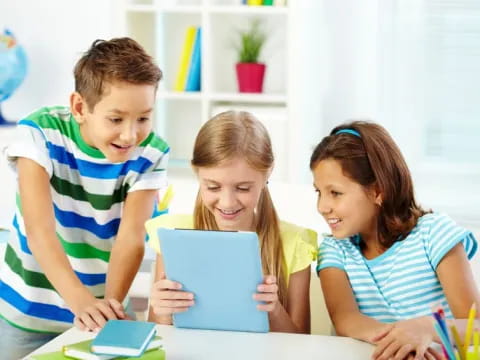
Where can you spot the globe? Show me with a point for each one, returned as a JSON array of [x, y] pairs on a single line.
[[13, 67]]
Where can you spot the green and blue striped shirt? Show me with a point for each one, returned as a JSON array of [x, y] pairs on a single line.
[[88, 194]]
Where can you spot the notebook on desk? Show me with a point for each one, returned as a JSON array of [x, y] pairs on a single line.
[[123, 337], [222, 269]]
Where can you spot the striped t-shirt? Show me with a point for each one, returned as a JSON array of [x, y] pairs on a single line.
[[402, 282], [88, 193]]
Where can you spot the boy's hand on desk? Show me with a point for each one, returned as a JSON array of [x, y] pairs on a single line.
[[167, 299], [404, 338], [96, 313], [267, 293]]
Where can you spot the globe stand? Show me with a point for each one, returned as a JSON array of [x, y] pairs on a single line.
[[3, 121]]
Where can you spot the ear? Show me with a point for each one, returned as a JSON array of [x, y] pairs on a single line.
[[267, 175], [377, 195], [78, 107]]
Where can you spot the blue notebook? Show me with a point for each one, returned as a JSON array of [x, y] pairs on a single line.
[[123, 338], [222, 269]]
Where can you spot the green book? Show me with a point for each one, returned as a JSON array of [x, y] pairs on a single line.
[[81, 350]]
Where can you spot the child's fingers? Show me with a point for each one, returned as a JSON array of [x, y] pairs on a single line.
[[79, 324], [434, 354], [117, 307], [267, 288], [269, 279], [161, 311], [266, 307], [382, 347], [266, 297], [173, 295], [390, 350], [167, 284], [106, 310], [382, 334], [420, 351], [175, 303], [88, 320], [403, 352]]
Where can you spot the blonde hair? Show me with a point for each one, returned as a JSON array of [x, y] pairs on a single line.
[[239, 134]]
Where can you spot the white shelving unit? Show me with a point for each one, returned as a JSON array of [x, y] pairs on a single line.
[[160, 26]]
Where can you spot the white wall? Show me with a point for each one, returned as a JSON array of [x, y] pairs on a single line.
[[54, 33]]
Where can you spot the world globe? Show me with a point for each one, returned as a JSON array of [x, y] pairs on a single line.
[[13, 67]]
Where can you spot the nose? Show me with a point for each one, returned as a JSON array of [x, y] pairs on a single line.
[[227, 199], [323, 205], [128, 133]]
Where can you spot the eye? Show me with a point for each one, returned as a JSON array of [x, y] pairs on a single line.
[[143, 119], [115, 120], [335, 193], [243, 188], [213, 188]]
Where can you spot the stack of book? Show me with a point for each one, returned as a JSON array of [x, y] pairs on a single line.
[[189, 70], [265, 2], [118, 339]]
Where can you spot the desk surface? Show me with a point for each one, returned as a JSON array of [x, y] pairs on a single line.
[[186, 344]]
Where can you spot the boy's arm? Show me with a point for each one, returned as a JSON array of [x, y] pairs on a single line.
[[128, 249], [343, 309], [39, 218]]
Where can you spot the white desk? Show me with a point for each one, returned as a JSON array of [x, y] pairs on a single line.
[[186, 344]]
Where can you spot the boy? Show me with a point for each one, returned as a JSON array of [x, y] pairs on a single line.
[[87, 179]]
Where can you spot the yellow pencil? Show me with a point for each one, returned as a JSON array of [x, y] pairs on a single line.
[[475, 343], [468, 331], [458, 342], [165, 201]]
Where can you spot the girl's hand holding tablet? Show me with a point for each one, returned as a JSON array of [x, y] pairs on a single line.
[[167, 298], [267, 294]]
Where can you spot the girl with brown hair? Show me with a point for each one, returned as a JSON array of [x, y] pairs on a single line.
[[388, 261], [233, 160]]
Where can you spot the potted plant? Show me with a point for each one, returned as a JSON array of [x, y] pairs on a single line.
[[250, 72]]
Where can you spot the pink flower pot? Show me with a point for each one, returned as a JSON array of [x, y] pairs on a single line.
[[250, 77]]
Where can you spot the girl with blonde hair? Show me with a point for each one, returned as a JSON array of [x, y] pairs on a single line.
[[233, 160]]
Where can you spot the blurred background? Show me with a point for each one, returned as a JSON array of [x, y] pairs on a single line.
[[411, 65]]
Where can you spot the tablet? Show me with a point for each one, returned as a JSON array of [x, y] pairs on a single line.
[[222, 269]]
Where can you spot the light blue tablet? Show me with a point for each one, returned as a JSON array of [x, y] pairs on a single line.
[[222, 269]]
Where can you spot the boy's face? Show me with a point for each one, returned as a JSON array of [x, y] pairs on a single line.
[[231, 192], [346, 205], [119, 122]]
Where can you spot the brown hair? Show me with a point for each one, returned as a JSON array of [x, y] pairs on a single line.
[[373, 159], [239, 134], [119, 59]]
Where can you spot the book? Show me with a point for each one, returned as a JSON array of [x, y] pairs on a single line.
[[185, 58], [155, 354], [123, 338], [194, 74], [202, 259], [81, 350]]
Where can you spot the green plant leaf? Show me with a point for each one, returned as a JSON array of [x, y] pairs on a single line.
[[251, 43]]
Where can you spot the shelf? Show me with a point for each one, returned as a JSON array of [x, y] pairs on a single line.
[[249, 98], [179, 9], [254, 10], [217, 9], [178, 95]]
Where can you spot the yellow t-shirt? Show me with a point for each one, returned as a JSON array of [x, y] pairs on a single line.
[[299, 244]]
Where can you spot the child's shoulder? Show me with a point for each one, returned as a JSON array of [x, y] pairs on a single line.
[[289, 231], [156, 142], [49, 114], [432, 220]]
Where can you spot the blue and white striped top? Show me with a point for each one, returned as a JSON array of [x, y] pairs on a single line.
[[402, 282]]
